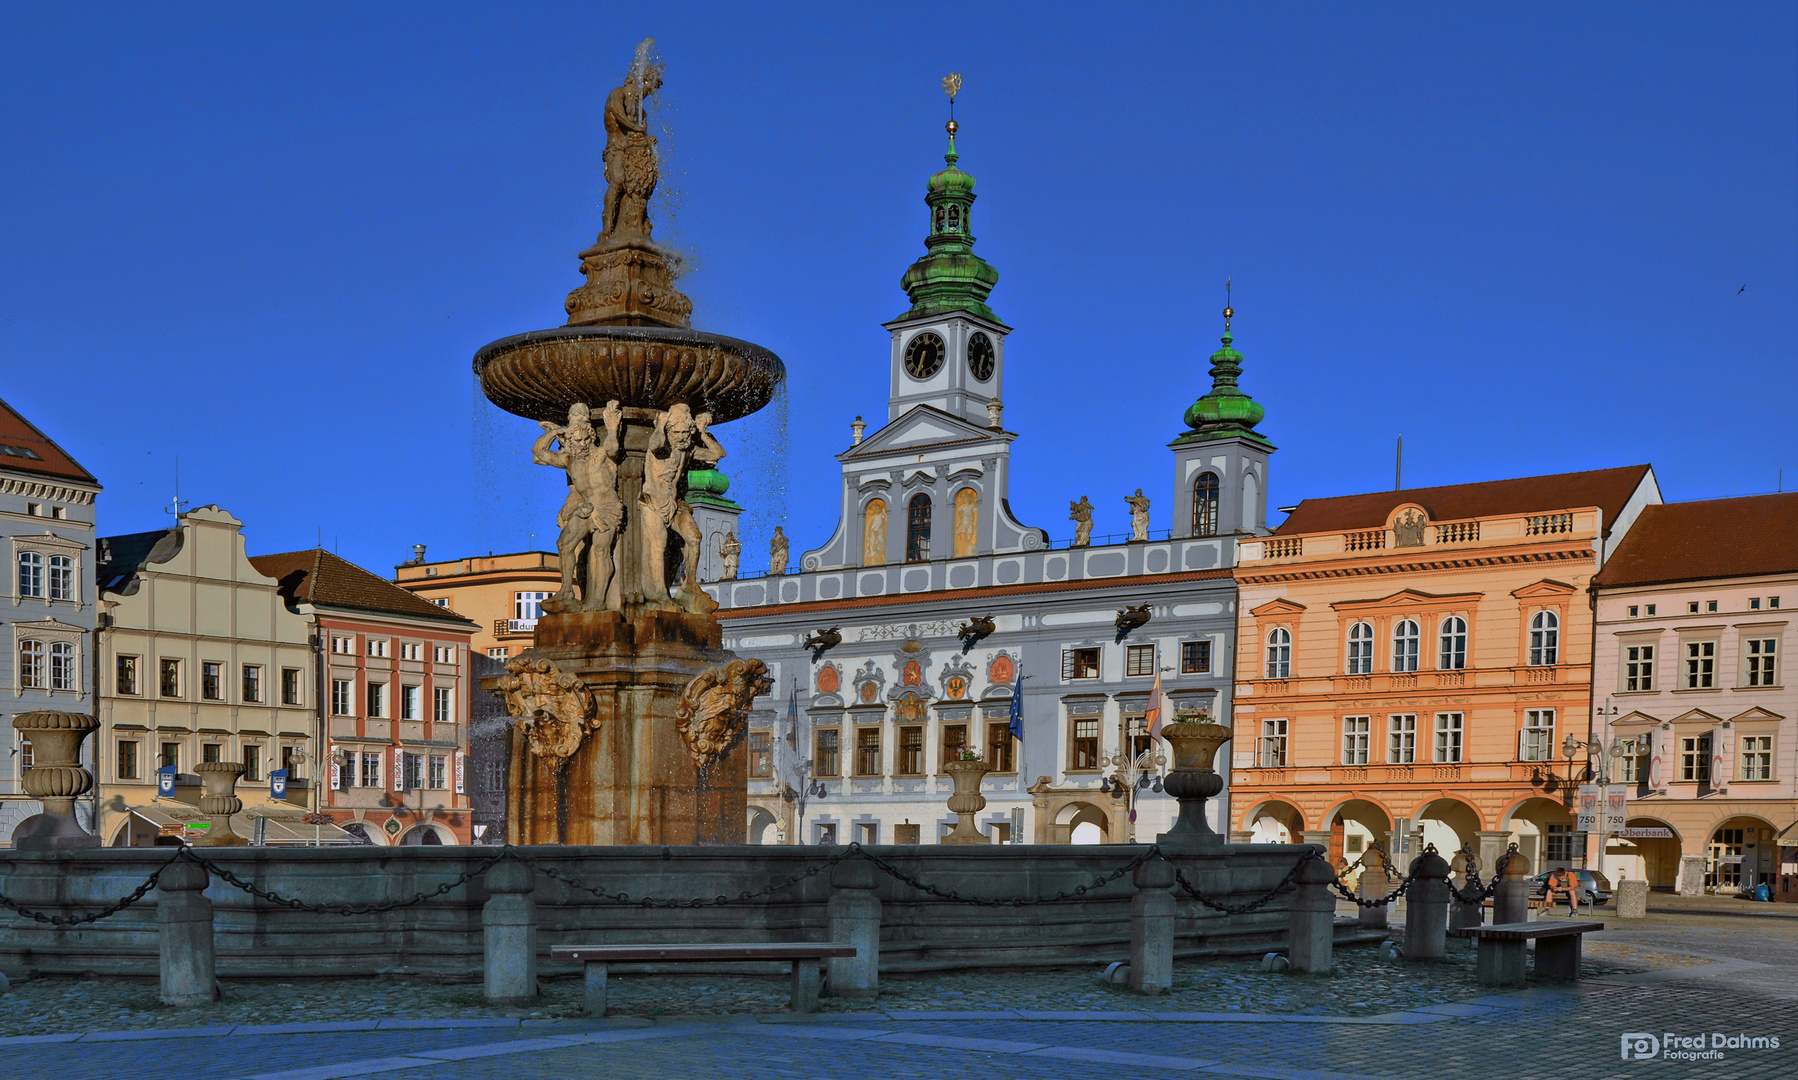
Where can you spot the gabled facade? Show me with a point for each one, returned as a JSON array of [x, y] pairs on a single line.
[[47, 603], [1419, 657], [1690, 669]]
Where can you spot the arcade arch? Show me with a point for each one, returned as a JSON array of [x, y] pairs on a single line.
[[762, 827], [1275, 822]]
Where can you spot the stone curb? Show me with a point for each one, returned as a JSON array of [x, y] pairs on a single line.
[[324, 1027]]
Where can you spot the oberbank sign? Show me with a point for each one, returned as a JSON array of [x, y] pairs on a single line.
[[1672, 1046]]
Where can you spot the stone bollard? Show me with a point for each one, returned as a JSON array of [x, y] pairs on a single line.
[[1152, 928], [1313, 919], [55, 778], [854, 914], [1375, 883], [1632, 899], [509, 934], [220, 802], [184, 936], [1463, 913], [1511, 901], [1426, 908]]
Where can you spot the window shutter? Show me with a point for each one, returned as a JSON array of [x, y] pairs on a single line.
[[1067, 664], [1523, 745]]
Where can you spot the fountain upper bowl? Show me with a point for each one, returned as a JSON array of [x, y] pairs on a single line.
[[540, 374]]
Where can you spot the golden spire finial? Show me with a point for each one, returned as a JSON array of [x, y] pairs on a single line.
[[1228, 313], [952, 87]]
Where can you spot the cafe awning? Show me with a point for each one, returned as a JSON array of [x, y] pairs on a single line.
[[286, 825]]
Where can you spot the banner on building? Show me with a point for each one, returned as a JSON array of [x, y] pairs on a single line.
[[399, 769], [277, 785], [1616, 807], [461, 771], [335, 757], [165, 780], [1591, 799]]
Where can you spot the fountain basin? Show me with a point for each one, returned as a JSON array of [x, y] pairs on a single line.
[[538, 375]]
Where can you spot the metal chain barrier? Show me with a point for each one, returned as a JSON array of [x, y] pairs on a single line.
[[105, 913], [340, 909], [1022, 901], [1285, 885], [1480, 893], [697, 902]]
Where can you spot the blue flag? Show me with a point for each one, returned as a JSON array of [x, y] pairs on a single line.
[[165, 780], [1017, 706]]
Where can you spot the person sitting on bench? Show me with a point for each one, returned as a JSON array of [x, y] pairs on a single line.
[[1562, 880]]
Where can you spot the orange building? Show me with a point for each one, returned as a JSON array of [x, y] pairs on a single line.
[[1412, 661], [500, 592]]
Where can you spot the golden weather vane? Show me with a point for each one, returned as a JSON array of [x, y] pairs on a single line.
[[952, 84]]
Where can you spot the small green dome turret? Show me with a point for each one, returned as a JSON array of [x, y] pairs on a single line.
[[1226, 412], [950, 277], [707, 481]]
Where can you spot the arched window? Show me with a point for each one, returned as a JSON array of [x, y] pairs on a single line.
[[955, 219], [939, 219], [1204, 505], [1452, 654], [1279, 653], [874, 533], [1545, 639], [62, 577], [1360, 651], [917, 529], [31, 664], [1404, 646], [62, 666], [31, 574]]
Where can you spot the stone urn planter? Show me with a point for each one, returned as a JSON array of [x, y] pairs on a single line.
[[1193, 780], [55, 778], [219, 802], [966, 800]]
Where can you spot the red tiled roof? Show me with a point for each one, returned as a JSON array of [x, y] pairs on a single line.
[[1716, 538], [1607, 489], [23, 448], [319, 577]]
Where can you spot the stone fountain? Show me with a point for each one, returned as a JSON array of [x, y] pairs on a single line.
[[628, 715]]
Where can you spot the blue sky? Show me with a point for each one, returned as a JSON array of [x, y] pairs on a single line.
[[266, 240]]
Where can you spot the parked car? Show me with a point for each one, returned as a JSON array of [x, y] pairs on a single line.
[[1594, 887]]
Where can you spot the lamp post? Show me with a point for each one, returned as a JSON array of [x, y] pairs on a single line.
[[799, 793], [1600, 760], [1130, 774]]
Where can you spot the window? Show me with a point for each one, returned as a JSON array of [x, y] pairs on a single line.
[[1195, 657], [31, 574], [377, 699], [290, 686], [412, 772], [955, 736], [868, 832], [1401, 739], [1360, 649], [1545, 639], [411, 698], [1772, 602], [1651, 608], [344, 645], [1273, 744], [1451, 654], [411, 650], [1538, 742], [1761, 670], [170, 757], [1638, 667], [528, 606], [377, 646], [62, 577], [867, 751], [1279, 653], [209, 680], [499, 652], [170, 678], [1355, 730], [1204, 505], [1448, 737], [288, 765], [1557, 843], [442, 705], [1139, 660], [1695, 759], [911, 752], [1754, 603], [440, 601], [127, 761], [125, 674], [443, 654], [1138, 738], [439, 772], [252, 682], [26, 754], [371, 770], [31, 664], [999, 749], [340, 697], [1723, 869], [1757, 757], [1084, 746], [59, 512], [1633, 772], [917, 529], [1633, 611], [1079, 664], [827, 754], [252, 763], [210, 752], [1701, 665], [905, 834], [1710, 605], [63, 669], [1692, 608], [1404, 646]]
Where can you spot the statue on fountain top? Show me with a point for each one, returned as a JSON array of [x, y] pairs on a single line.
[[631, 170]]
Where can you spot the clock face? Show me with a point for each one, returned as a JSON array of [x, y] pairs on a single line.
[[980, 356], [924, 356]]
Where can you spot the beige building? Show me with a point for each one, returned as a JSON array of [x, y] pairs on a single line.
[[502, 593], [201, 660]]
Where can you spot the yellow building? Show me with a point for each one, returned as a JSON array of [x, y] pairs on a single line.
[[502, 593]]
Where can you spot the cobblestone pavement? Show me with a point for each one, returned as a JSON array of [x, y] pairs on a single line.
[[1373, 1018]]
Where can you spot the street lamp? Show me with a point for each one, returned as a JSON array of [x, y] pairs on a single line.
[[798, 794], [1132, 773]]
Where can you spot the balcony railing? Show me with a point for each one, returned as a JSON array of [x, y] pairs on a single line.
[[1458, 532], [1283, 548], [1368, 540], [1545, 524]]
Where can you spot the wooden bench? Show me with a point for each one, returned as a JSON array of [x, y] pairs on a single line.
[[1502, 949], [806, 958]]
